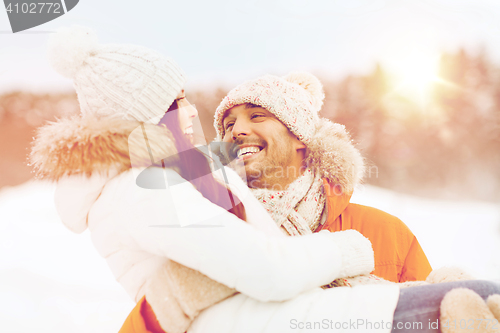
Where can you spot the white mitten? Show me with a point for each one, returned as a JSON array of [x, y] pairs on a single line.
[[448, 274], [462, 310], [494, 305]]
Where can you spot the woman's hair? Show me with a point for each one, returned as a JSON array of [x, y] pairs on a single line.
[[193, 165]]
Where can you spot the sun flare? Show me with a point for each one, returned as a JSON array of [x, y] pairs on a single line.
[[415, 75]]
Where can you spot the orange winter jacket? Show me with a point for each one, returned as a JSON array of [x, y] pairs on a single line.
[[398, 255], [141, 320]]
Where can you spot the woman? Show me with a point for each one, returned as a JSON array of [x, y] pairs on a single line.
[[124, 178]]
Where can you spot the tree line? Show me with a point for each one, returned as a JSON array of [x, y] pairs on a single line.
[[447, 147]]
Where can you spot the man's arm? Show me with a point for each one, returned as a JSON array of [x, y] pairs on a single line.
[[398, 255]]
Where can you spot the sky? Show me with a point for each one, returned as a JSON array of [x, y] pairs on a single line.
[[224, 42]]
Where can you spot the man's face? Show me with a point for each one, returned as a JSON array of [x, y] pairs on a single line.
[[272, 155]]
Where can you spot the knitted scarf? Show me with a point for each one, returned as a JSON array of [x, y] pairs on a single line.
[[298, 208]]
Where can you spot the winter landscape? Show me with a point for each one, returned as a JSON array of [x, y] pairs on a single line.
[[416, 83]]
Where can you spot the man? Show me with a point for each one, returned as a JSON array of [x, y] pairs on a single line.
[[304, 168]]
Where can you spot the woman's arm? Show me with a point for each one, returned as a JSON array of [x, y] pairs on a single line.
[[179, 223]]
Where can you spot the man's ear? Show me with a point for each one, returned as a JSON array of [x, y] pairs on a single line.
[[299, 145], [301, 149]]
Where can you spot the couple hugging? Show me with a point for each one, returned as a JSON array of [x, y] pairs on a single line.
[[203, 251]]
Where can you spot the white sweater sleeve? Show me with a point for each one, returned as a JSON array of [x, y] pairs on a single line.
[[180, 224]]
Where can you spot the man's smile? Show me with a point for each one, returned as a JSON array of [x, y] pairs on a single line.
[[247, 151]]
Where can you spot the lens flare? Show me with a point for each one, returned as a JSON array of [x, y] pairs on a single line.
[[415, 75]]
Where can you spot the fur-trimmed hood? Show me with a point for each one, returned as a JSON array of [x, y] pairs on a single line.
[[89, 145], [331, 152], [84, 153]]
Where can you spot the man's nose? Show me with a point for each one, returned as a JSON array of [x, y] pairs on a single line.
[[240, 128]]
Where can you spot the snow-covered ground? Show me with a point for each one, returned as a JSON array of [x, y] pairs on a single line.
[[452, 233], [52, 280]]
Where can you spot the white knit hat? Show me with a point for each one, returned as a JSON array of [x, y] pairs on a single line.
[[294, 99], [110, 79]]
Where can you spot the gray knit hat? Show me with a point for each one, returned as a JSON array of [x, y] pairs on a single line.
[[113, 79]]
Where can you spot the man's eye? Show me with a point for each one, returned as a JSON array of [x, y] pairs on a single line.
[[256, 116], [229, 125]]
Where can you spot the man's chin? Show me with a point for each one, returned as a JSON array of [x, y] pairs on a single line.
[[255, 183], [256, 177], [252, 169]]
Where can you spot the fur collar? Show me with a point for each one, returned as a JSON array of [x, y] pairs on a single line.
[[88, 145], [332, 154]]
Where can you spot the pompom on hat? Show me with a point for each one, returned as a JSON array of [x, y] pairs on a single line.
[[131, 81], [294, 99]]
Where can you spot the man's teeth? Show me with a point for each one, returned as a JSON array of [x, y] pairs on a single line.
[[248, 150]]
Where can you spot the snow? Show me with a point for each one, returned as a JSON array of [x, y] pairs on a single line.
[[52, 280], [464, 234]]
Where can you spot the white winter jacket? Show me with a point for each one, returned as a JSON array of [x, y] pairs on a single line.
[[137, 230]]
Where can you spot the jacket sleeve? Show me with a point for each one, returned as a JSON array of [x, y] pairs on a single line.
[[416, 266], [180, 224]]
